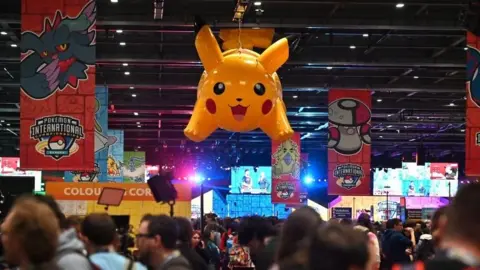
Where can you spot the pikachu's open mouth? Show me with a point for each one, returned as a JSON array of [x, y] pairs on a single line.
[[239, 112]]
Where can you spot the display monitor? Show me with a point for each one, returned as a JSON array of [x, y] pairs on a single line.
[[10, 166], [431, 180], [251, 180]]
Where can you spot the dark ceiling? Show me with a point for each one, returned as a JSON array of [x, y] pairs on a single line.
[[412, 58]]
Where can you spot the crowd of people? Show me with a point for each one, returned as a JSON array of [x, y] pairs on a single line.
[[36, 235]]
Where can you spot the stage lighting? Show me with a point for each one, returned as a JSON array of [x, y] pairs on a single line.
[[198, 179], [308, 180]]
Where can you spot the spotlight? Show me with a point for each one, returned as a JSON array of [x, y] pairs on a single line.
[[400, 5], [13, 45], [353, 47], [127, 73], [122, 43], [365, 35], [134, 95], [119, 31], [308, 180], [3, 33], [125, 64]]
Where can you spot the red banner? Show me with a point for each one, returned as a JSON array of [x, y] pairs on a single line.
[[57, 80], [286, 163], [349, 140], [472, 132]]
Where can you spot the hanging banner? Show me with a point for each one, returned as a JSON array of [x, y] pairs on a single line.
[[102, 142], [349, 140], [286, 164], [57, 80], [133, 167], [115, 157], [472, 131]]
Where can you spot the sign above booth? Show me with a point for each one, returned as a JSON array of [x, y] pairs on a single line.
[[91, 191]]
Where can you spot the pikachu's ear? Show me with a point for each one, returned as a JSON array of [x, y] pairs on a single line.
[[207, 47], [276, 55]]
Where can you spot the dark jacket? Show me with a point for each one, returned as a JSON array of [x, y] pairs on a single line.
[[265, 258], [177, 263], [195, 260], [394, 245], [440, 262]]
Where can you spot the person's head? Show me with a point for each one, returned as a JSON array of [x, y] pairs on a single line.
[[30, 233], [156, 237], [346, 221], [74, 222], [295, 229], [196, 238], [365, 221], [247, 173], [395, 224], [185, 230], [98, 231], [53, 205], [252, 232], [209, 232], [336, 246], [437, 224], [463, 219]]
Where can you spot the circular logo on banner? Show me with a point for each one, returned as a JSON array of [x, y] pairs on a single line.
[[348, 175]]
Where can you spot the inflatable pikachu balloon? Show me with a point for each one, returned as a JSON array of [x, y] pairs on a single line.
[[239, 91]]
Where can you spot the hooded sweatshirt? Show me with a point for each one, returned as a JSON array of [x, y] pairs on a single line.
[[394, 245], [113, 261], [69, 252]]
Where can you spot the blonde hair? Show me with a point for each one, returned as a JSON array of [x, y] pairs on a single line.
[[36, 228]]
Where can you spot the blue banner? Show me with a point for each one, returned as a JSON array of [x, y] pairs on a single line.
[[102, 142], [115, 157]]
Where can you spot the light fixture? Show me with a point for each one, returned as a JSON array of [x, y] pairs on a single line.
[[466, 48], [257, 4], [1, 121], [3, 33], [122, 43], [138, 123], [462, 130], [379, 100], [365, 35], [295, 96], [13, 45], [451, 104], [329, 68], [114, 1], [125, 64], [131, 87], [389, 115], [139, 126], [119, 31], [400, 5], [381, 137], [127, 73], [134, 95], [8, 124], [389, 126], [135, 113], [353, 47], [415, 77]]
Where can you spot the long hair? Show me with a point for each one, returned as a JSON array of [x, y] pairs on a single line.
[[297, 226], [364, 220]]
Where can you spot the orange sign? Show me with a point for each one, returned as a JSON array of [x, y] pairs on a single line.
[[91, 191]]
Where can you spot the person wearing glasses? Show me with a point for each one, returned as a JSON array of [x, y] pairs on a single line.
[[157, 241]]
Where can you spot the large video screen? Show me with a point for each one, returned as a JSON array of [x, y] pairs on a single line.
[[431, 180], [250, 179]]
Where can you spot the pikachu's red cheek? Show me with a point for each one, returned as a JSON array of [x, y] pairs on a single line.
[[211, 106], [267, 106]]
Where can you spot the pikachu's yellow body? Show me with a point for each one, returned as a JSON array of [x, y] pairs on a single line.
[[239, 90]]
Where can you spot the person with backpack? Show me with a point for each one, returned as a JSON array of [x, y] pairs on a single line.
[[98, 231], [71, 253]]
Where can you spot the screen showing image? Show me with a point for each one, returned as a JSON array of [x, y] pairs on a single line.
[[443, 171], [387, 180], [431, 180], [250, 179], [9, 166]]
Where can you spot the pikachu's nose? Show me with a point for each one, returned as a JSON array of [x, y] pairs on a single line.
[[239, 99]]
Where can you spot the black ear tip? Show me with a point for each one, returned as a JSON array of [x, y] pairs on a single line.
[[199, 23], [292, 38]]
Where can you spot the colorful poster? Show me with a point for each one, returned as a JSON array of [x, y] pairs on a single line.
[[102, 142], [57, 80], [286, 161], [349, 140], [133, 167], [472, 131], [9, 165], [115, 157]]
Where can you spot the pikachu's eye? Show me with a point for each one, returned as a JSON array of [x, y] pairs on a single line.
[[44, 53], [62, 47], [219, 88], [259, 89]]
